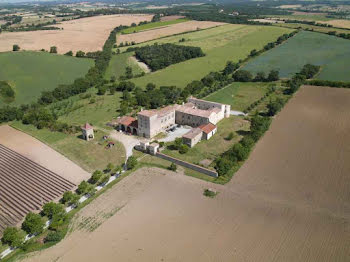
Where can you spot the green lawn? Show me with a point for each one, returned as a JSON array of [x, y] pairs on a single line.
[[215, 146], [149, 26], [90, 155], [30, 73], [330, 52], [78, 111], [239, 95], [220, 44], [118, 64]]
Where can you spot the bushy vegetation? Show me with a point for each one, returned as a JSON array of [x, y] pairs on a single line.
[[240, 151], [6, 92], [160, 56]]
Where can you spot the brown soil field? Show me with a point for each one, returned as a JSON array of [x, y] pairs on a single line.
[[86, 34], [341, 23], [166, 31], [171, 17], [25, 186], [41, 154], [290, 201]]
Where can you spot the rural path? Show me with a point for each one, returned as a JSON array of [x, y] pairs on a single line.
[[142, 65]]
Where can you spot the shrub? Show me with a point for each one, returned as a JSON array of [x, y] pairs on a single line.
[[15, 48], [33, 224], [209, 193], [131, 162], [69, 53], [54, 236], [12, 236], [183, 149], [230, 136], [53, 50], [172, 167]]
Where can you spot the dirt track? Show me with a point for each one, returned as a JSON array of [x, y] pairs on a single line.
[[289, 202], [86, 34], [166, 31]]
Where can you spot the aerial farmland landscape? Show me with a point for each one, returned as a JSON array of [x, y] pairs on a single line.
[[174, 130]]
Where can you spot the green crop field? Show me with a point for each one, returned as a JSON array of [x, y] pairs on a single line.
[[330, 52], [149, 26], [239, 95], [220, 44], [304, 17], [315, 28], [118, 64], [30, 73]]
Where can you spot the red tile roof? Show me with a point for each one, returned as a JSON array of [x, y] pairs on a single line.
[[86, 126], [126, 120], [207, 128]]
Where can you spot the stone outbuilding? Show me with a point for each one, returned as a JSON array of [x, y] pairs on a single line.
[[192, 137], [208, 130], [88, 132], [128, 124]]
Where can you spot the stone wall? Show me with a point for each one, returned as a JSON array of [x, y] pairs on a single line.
[[188, 165]]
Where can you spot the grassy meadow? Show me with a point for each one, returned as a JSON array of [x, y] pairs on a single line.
[[92, 108], [209, 150], [90, 155], [220, 44], [118, 64], [330, 52], [149, 26], [239, 95], [30, 73]]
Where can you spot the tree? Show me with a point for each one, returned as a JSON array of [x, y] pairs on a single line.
[[67, 197], [53, 50], [131, 162], [230, 68], [150, 86], [253, 52], [172, 167], [33, 224], [260, 77], [52, 210], [223, 165], [80, 53], [177, 143], [273, 76], [101, 90], [183, 149], [15, 48], [69, 53], [83, 187], [309, 70], [274, 106], [242, 76], [128, 72], [95, 177], [12, 236]]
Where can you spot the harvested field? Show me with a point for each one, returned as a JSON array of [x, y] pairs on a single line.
[[342, 23], [41, 154], [86, 34], [166, 31], [25, 186], [288, 202]]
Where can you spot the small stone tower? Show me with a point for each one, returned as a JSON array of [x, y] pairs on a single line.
[[88, 132]]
